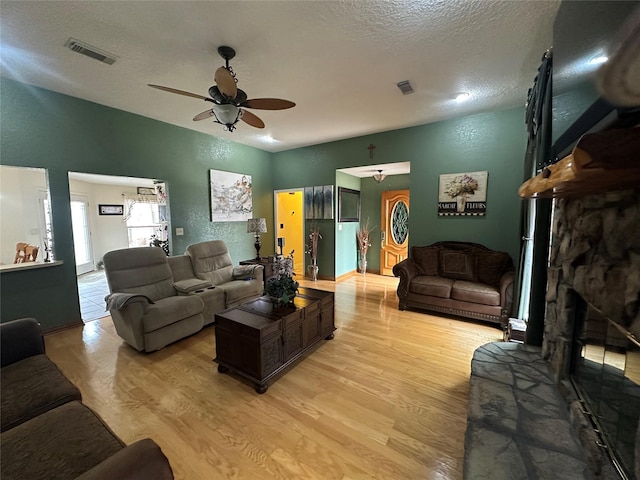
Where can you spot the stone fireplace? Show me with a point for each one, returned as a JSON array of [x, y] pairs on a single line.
[[592, 322]]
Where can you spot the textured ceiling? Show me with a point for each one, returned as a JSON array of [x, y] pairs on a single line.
[[338, 60]]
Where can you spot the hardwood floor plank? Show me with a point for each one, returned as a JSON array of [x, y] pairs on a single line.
[[385, 399]]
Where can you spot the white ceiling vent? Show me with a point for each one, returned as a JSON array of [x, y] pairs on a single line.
[[90, 51], [405, 87]]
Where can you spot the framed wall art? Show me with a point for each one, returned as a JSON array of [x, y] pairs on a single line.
[[231, 196], [146, 191], [327, 213], [462, 194], [104, 209], [318, 202], [348, 205], [308, 203]]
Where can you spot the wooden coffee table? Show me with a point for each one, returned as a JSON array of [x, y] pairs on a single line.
[[259, 341]]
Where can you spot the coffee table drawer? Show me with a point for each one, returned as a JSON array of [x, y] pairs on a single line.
[[251, 326]]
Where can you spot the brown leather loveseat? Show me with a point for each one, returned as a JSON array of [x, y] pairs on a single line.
[[457, 278]]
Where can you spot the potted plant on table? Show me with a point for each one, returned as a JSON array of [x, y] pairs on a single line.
[[282, 288]]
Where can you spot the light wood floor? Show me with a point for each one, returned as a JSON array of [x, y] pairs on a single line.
[[386, 399]]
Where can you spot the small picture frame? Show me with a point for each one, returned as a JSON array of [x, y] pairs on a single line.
[[110, 209], [146, 191]]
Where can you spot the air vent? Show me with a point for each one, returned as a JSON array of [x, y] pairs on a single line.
[[90, 51], [405, 87]]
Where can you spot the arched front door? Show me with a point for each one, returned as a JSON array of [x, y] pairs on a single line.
[[394, 223]]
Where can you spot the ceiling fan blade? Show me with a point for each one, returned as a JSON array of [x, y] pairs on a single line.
[[204, 115], [226, 83], [179, 92], [268, 103], [251, 119]]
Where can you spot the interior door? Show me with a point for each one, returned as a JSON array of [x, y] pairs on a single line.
[[290, 226], [81, 234], [394, 230]]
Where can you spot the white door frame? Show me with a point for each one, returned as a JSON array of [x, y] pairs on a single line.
[[83, 231]]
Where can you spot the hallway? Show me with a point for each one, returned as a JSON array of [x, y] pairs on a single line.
[[92, 288]]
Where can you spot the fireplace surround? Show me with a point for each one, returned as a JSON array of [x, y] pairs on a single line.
[[592, 322]]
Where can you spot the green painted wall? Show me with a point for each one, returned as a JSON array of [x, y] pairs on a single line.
[[493, 141], [371, 208], [61, 133]]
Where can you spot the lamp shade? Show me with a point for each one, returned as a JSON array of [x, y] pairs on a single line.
[[257, 225], [379, 177], [226, 114]]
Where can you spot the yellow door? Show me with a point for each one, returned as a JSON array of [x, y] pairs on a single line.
[[394, 228], [290, 226]]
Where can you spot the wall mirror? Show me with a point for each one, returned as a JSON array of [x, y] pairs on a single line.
[[348, 205]]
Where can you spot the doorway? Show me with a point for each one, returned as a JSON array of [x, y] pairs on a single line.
[[81, 233], [394, 227], [289, 225], [95, 233]]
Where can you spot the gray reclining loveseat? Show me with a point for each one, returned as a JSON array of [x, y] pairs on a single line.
[[156, 300]]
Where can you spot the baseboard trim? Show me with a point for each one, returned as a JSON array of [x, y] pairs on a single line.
[[60, 328]]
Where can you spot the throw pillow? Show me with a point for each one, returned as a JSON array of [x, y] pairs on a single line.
[[457, 264], [426, 260], [491, 265]]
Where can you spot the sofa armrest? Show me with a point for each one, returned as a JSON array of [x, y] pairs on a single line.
[[244, 272], [506, 292], [128, 323], [20, 339], [139, 461], [407, 271]]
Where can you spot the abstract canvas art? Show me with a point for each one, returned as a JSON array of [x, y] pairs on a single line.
[[327, 213], [231, 197], [318, 202]]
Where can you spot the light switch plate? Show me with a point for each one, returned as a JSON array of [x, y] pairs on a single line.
[[179, 231]]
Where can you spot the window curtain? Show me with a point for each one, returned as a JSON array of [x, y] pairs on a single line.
[[131, 199], [535, 214]]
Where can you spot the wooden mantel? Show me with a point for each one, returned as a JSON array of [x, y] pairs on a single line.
[[599, 162]]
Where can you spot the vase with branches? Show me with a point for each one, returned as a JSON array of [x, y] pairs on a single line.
[[312, 249], [363, 236]]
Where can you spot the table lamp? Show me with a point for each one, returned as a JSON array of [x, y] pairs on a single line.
[[257, 226]]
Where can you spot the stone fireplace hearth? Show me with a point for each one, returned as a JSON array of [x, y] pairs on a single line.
[[594, 270]]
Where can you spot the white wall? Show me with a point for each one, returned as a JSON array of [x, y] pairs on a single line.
[[108, 232], [19, 209]]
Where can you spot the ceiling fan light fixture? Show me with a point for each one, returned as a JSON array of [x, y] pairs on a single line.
[[227, 115], [379, 177]]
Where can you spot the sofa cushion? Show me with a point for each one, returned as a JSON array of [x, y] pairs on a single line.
[[433, 286], [475, 292], [457, 264], [142, 270], [426, 259], [60, 444], [490, 266], [31, 387], [170, 310], [211, 261]]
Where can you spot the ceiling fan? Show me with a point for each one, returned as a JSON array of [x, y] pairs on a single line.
[[230, 102]]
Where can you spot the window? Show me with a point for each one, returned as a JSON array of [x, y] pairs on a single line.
[[146, 222]]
